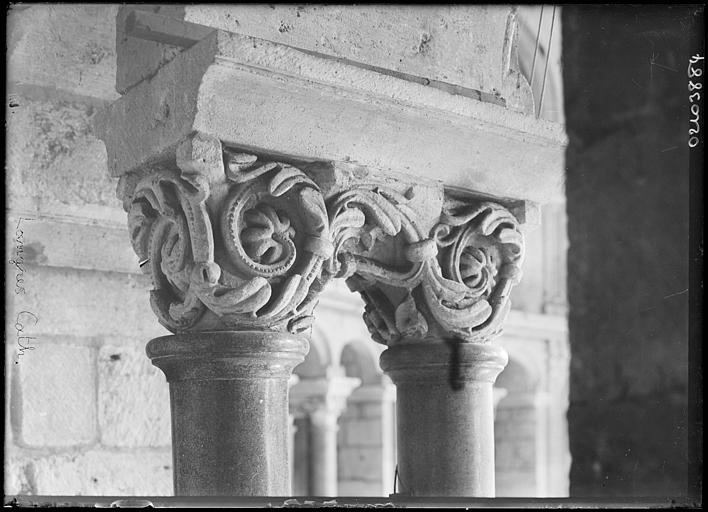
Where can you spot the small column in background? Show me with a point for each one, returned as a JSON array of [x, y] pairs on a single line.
[[368, 430], [322, 401]]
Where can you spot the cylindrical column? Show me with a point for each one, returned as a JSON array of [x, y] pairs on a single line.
[[229, 404], [445, 416], [323, 450], [323, 400]]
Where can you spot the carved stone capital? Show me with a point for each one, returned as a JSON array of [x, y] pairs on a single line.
[[452, 281], [232, 242]]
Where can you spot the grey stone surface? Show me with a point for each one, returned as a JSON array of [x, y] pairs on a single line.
[[54, 399], [133, 399], [102, 473], [54, 161], [19, 473], [64, 47], [323, 454], [73, 242], [87, 303]]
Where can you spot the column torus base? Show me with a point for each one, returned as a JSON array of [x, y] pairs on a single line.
[[229, 401]]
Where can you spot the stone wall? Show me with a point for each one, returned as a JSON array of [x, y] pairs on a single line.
[[86, 412], [627, 202]]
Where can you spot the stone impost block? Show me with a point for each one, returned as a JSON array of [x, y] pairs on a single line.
[[469, 47], [253, 93], [54, 396]]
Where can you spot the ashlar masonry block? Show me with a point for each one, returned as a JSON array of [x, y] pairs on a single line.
[[105, 473], [134, 402], [54, 396]]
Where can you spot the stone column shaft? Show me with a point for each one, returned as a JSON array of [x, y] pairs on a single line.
[[323, 453], [228, 395], [445, 417]]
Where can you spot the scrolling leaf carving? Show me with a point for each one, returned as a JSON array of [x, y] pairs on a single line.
[[454, 280], [240, 243], [259, 268]]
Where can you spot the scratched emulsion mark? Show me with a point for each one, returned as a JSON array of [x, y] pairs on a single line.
[[25, 319]]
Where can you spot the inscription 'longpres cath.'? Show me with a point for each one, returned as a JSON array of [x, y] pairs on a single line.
[[24, 340], [24, 319], [237, 242], [18, 260]]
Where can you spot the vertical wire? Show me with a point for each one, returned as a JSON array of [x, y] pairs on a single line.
[[535, 52], [548, 58], [395, 477]]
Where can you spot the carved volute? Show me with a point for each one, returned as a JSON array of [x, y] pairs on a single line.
[[452, 281], [237, 244]]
